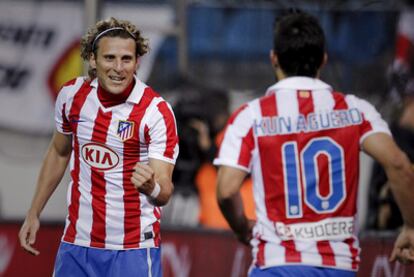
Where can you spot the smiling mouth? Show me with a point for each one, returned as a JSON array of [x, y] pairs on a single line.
[[116, 79]]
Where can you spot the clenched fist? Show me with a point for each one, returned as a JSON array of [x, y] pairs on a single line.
[[143, 178]]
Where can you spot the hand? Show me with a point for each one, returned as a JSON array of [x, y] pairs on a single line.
[[27, 234], [203, 131], [247, 234], [143, 178], [404, 246]]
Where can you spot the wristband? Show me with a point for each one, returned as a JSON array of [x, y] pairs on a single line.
[[156, 191]]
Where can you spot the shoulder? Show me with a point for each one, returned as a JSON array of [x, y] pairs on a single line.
[[71, 87], [361, 104], [149, 92]]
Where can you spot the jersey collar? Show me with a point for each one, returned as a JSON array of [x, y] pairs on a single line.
[[298, 83], [136, 93]]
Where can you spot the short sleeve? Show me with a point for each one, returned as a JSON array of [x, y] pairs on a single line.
[[61, 113], [238, 143], [372, 122], [161, 132]]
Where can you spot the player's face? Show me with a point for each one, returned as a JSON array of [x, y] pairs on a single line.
[[115, 63]]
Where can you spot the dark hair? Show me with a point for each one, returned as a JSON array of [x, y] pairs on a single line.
[[299, 43]]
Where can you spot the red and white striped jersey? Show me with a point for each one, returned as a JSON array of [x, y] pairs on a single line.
[[301, 144], [104, 208]]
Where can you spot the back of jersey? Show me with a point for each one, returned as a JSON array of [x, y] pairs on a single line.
[[301, 144]]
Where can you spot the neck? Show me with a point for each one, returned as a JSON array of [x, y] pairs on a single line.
[[109, 99], [280, 75]]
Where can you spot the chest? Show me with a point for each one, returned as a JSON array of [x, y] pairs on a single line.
[[107, 136]]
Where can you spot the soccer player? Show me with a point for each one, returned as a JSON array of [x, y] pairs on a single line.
[[119, 137], [301, 143]]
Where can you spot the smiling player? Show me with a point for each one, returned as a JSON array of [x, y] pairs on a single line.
[[120, 139]]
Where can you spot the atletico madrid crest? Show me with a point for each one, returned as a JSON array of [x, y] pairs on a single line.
[[125, 129]]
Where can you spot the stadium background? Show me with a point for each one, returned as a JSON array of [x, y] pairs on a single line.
[[196, 46]]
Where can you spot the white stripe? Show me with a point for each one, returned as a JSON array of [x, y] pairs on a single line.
[[274, 253], [342, 254], [287, 104], [323, 101], [149, 261], [309, 252], [84, 134], [114, 197]]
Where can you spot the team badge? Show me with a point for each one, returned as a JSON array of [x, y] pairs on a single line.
[[125, 129]]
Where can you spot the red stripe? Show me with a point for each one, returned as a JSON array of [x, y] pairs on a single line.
[[366, 126], [354, 252], [305, 102], [346, 138], [246, 149], [236, 113], [340, 103], [325, 250], [306, 106], [132, 203], [271, 164], [77, 104], [260, 258], [172, 138], [98, 191], [268, 105], [65, 124], [156, 227], [147, 135], [403, 46], [291, 254]]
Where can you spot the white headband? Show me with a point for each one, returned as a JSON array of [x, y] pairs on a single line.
[[109, 30]]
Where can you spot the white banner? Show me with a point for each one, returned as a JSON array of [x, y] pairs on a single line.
[[39, 51]]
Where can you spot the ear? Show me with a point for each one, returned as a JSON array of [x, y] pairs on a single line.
[[273, 59], [138, 64], [325, 59], [92, 61]]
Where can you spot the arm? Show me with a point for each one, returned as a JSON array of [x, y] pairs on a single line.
[[51, 172], [229, 181], [146, 177], [401, 177]]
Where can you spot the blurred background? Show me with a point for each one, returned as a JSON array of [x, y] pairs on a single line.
[[206, 58]]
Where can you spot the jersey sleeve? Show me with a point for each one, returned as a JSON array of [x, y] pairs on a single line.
[[61, 113], [161, 133], [238, 143], [372, 122]]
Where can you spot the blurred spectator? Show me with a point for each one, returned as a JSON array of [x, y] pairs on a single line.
[[210, 214], [201, 115], [382, 204], [210, 136]]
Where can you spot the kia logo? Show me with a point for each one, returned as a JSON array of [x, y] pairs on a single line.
[[99, 156]]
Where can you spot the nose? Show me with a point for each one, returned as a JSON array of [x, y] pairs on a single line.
[[118, 65]]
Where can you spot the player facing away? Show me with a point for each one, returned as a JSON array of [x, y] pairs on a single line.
[[119, 138], [301, 144]]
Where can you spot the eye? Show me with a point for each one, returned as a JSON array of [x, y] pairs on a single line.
[[109, 57], [127, 59]]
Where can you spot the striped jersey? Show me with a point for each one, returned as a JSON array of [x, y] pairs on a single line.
[[301, 144], [105, 210]]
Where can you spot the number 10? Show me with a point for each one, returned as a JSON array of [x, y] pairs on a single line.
[[310, 176]]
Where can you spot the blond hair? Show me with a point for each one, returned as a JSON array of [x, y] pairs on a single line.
[[111, 27]]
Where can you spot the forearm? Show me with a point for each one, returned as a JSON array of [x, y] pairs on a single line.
[[229, 181], [166, 190], [401, 177], [233, 211], [50, 175]]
